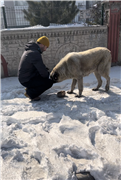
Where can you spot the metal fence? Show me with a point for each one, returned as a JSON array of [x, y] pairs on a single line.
[[2, 19], [14, 17]]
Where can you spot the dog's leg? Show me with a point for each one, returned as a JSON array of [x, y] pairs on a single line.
[[106, 76], [80, 86], [98, 76], [74, 81]]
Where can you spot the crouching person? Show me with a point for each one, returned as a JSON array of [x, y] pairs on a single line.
[[32, 73]]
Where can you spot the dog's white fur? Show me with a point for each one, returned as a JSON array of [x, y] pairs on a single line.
[[76, 65]]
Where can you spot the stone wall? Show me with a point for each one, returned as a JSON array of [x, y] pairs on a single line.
[[62, 41]]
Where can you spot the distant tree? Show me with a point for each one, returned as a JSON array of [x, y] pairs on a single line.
[[96, 13], [46, 12]]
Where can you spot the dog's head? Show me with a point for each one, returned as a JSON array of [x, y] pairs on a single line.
[[54, 76]]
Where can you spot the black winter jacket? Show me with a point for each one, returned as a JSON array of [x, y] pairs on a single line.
[[31, 63]]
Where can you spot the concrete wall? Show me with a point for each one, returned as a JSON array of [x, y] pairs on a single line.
[[62, 41]]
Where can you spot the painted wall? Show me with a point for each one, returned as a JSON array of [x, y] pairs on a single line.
[[62, 41]]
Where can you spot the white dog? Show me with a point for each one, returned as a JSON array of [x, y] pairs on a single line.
[[76, 65]]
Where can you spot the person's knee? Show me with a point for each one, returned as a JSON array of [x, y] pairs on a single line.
[[50, 84]]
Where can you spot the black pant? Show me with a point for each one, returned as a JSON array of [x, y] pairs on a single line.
[[37, 85]]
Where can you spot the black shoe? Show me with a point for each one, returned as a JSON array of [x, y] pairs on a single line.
[[36, 99], [27, 95]]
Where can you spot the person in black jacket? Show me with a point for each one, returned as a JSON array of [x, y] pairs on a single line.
[[32, 73]]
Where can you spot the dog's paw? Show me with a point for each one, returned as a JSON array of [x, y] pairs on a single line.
[[106, 88], [70, 92], [78, 96], [95, 89]]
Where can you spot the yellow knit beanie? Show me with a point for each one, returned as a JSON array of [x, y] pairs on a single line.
[[43, 40]]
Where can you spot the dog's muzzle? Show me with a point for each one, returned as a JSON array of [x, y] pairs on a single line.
[[54, 76]]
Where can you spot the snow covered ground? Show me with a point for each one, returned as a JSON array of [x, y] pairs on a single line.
[[56, 137]]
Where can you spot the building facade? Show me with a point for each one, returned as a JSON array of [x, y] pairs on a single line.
[[84, 11]]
